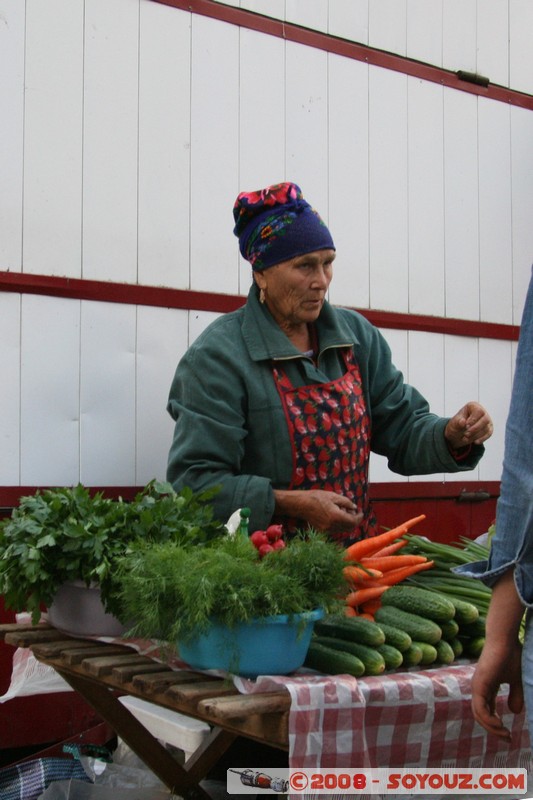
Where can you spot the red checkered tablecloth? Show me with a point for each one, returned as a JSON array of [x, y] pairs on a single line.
[[403, 719], [417, 718]]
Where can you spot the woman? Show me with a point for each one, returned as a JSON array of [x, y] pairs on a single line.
[[280, 402]]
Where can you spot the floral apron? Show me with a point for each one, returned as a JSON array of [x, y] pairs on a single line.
[[329, 429]]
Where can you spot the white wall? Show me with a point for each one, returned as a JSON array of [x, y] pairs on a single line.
[[129, 127]]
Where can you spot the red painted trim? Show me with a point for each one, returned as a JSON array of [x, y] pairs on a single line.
[[414, 490], [418, 490], [348, 49], [135, 294]]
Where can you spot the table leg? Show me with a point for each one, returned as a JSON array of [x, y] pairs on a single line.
[[179, 779]]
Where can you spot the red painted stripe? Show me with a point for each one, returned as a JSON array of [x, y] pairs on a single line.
[[348, 49], [135, 294], [421, 490]]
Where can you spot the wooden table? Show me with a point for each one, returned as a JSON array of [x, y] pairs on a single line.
[[101, 672]]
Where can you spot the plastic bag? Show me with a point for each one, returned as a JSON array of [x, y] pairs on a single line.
[[26, 781], [77, 790], [29, 677]]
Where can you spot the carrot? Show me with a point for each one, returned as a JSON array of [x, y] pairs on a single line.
[[366, 615], [390, 549], [386, 563], [349, 611], [364, 547], [360, 596], [371, 606], [359, 575], [394, 576]]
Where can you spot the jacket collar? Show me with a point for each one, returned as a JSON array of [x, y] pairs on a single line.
[[266, 341]]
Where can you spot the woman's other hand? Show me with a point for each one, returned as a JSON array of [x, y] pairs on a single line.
[[471, 425], [323, 510]]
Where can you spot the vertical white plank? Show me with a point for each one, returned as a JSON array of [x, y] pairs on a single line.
[[309, 13], [12, 22], [261, 146], [495, 214], [426, 373], [10, 388], [269, 8], [214, 154], [107, 394], [387, 20], [424, 31], [349, 19], [164, 145], [161, 341], [110, 140], [307, 123], [522, 203], [388, 190], [461, 380], [426, 367], [53, 137], [493, 40], [426, 198], [49, 415], [348, 180], [398, 342], [520, 51], [198, 322], [459, 34], [495, 383], [461, 205]]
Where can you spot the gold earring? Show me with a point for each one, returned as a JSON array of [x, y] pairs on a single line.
[[261, 295]]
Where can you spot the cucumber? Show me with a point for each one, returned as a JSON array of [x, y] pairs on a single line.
[[445, 653], [465, 612], [473, 647], [412, 656], [425, 603], [473, 629], [418, 628], [373, 662], [396, 637], [333, 662], [457, 647], [391, 655], [353, 629], [429, 653], [449, 629]]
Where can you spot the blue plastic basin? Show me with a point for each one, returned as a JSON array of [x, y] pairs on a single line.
[[271, 646]]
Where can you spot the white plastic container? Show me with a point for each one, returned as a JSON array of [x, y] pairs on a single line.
[[77, 610], [170, 727]]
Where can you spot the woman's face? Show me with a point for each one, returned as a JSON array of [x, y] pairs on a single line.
[[295, 290]]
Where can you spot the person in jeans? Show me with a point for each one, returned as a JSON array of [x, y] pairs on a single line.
[[509, 569]]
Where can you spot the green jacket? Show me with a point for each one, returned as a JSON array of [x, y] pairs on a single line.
[[230, 426]]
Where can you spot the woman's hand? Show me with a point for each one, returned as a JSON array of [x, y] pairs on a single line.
[[471, 425], [325, 511]]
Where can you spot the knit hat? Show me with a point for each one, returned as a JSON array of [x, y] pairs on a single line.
[[276, 224]]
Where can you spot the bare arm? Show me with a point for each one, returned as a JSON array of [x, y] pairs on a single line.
[[500, 660]]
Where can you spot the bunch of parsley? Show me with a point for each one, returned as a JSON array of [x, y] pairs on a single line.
[[66, 534]]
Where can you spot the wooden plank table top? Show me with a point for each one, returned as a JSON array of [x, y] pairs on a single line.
[[102, 671]]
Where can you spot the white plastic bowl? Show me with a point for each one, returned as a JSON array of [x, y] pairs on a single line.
[[77, 610]]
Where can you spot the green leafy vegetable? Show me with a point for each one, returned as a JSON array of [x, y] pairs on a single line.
[[173, 592], [66, 534]]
